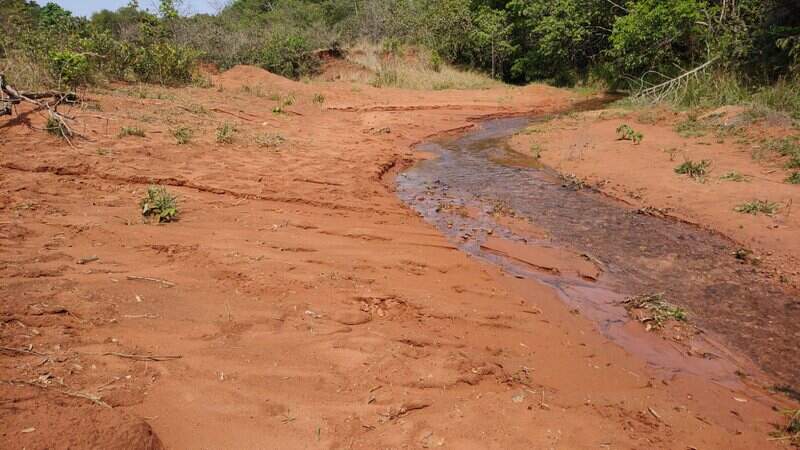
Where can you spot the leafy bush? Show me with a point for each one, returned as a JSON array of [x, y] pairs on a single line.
[[289, 56], [70, 68], [794, 178], [159, 204]]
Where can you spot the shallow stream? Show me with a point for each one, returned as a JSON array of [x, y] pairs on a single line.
[[475, 178]]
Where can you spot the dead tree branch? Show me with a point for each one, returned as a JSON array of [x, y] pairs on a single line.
[[57, 122]]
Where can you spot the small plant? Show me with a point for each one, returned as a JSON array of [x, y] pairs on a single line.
[[318, 99], [694, 170], [56, 127], [225, 133], [657, 310], [159, 205], [269, 140], [734, 176], [794, 178], [791, 432], [536, 151], [691, 127], [131, 131], [756, 207], [626, 133], [182, 135]]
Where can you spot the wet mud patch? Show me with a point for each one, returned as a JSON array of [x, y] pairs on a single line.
[[631, 253]]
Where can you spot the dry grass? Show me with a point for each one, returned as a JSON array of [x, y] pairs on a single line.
[[412, 68], [25, 73]]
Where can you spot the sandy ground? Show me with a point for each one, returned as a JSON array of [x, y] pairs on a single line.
[[297, 303]]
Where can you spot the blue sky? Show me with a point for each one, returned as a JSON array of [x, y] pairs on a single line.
[[87, 7]]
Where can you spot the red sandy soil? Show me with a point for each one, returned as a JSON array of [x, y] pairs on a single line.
[[309, 308]]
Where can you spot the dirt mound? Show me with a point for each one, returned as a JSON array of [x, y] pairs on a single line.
[[240, 76], [35, 421]]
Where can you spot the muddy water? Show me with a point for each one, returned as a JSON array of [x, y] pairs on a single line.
[[476, 178]]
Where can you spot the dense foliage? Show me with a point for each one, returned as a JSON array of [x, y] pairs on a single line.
[[623, 43]]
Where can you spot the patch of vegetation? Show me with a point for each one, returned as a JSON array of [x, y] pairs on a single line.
[[756, 207], [256, 91], [791, 431], [571, 181], [318, 99], [657, 309], [269, 140], [182, 135], [159, 205], [626, 133], [786, 146], [225, 133], [691, 127], [734, 176], [131, 131], [794, 178], [697, 171], [56, 128]]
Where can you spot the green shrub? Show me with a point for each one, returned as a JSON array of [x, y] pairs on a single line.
[[626, 133], [159, 205], [319, 99], [794, 178], [289, 56], [70, 68]]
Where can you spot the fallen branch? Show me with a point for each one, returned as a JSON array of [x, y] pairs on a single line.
[[10, 96], [663, 90], [96, 399], [154, 280], [156, 358]]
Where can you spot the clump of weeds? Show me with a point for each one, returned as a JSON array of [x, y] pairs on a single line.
[[696, 171], [159, 205], [182, 135], [791, 431], [626, 133], [656, 310], [691, 127], [318, 99], [734, 176], [756, 207], [225, 133], [794, 178], [269, 140], [131, 131]]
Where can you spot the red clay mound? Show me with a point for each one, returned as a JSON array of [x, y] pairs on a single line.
[[33, 420], [255, 76]]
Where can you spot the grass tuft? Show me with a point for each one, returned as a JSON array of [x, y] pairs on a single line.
[[734, 176], [756, 207], [159, 205], [658, 309], [794, 178], [182, 135], [131, 131], [225, 133], [269, 140], [696, 171]]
